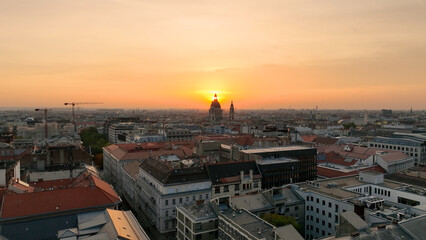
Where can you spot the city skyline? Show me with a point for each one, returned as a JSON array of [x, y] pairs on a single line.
[[162, 55]]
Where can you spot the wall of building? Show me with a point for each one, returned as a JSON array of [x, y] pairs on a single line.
[[54, 175], [159, 201], [321, 214], [2, 177]]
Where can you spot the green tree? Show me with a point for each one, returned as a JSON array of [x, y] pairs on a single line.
[[281, 220], [349, 125], [91, 138]]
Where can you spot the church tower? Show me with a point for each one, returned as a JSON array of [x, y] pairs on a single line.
[[231, 112]]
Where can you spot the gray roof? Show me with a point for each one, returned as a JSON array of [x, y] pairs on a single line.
[[288, 232], [251, 203], [415, 227], [250, 223], [92, 219], [354, 220]]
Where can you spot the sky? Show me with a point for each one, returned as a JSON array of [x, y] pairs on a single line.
[[334, 54]]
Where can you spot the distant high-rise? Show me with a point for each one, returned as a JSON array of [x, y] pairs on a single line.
[[215, 112], [231, 112], [365, 117]]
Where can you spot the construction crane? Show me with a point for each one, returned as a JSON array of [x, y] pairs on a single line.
[[73, 110], [45, 119]]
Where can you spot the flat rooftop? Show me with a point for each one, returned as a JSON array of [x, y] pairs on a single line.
[[250, 223], [275, 149], [251, 202], [266, 161], [338, 191], [199, 212]]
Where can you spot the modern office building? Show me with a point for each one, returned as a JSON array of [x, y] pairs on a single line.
[[283, 165], [413, 144]]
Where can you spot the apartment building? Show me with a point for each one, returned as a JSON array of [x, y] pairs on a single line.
[[234, 178], [161, 188], [370, 196]]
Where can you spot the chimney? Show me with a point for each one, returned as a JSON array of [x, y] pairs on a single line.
[[242, 175]]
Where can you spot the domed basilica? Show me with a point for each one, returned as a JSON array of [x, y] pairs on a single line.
[[215, 112]]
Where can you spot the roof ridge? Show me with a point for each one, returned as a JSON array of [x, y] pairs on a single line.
[[107, 194]]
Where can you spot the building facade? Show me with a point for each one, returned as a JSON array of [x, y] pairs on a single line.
[[161, 188], [412, 144]]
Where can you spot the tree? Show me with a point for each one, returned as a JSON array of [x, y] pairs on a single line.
[[349, 125], [91, 138], [281, 220]]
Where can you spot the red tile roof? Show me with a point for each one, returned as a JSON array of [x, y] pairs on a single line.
[[332, 173], [335, 158], [355, 151], [394, 157], [87, 191], [55, 184], [308, 138], [133, 151]]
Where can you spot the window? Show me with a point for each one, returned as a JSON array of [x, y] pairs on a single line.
[[317, 220], [337, 208], [200, 197], [237, 187], [323, 222], [329, 215], [180, 200], [318, 200], [329, 204], [317, 210], [198, 226], [336, 219], [226, 189], [207, 196], [193, 198], [166, 213], [329, 225], [187, 199], [173, 201], [323, 202], [217, 190], [323, 212], [296, 208], [166, 202]]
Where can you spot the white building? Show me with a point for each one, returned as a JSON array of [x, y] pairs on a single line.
[[413, 144], [162, 188], [369, 195]]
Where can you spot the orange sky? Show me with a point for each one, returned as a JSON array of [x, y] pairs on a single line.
[[177, 53]]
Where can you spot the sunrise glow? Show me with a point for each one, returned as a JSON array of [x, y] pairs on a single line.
[[274, 54]]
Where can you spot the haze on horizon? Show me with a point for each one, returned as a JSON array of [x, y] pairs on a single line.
[[337, 54]]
